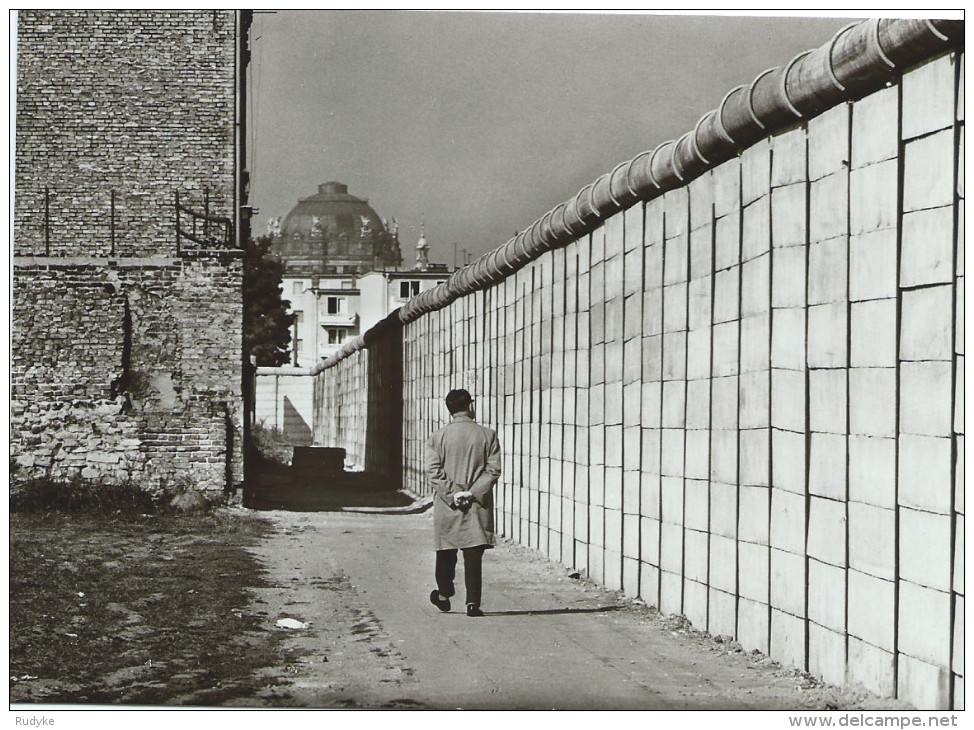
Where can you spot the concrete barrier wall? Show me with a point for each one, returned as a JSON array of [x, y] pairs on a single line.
[[742, 399], [284, 402]]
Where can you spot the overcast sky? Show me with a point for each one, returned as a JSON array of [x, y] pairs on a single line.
[[479, 123]]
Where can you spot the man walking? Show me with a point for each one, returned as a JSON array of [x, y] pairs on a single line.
[[463, 462]]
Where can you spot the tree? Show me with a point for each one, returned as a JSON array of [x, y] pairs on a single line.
[[266, 323]]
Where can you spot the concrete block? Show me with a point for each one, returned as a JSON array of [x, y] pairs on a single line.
[[754, 515], [650, 451], [926, 398], [613, 488], [828, 270], [726, 295], [676, 257], [826, 595], [753, 563], [788, 460], [698, 404], [652, 266], [700, 291], [788, 216], [695, 603], [788, 338], [723, 509], [697, 464], [649, 532], [596, 563], [788, 399], [727, 240], [756, 234], [696, 558], [827, 465], [827, 335], [923, 685], [633, 314], [870, 668], [596, 528], [613, 322], [633, 225], [827, 401], [924, 624], [630, 577], [675, 356], [723, 395], [828, 203], [612, 562], [927, 177], [959, 475], [696, 505], [723, 563], [788, 639], [873, 265], [722, 618], [753, 625], [671, 548], [698, 354], [723, 456], [652, 358], [788, 582], [959, 396], [926, 327], [755, 403], [673, 452], [788, 157], [873, 333], [828, 141], [649, 584], [671, 500], [925, 549], [788, 278], [827, 531], [927, 253], [676, 203], [788, 520], [755, 457], [875, 127], [959, 555], [873, 198], [613, 530], [671, 593], [872, 540], [701, 248], [872, 610], [596, 485], [632, 442], [755, 343], [675, 307], [755, 171], [827, 654], [872, 401], [957, 662], [924, 473], [960, 87], [630, 536], [726, 187], [725, 344], [756, 285]]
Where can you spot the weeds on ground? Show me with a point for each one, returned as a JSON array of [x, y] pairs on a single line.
[[113, 604]]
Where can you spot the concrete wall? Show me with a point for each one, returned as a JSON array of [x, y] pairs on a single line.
[[740, 400], [284, 401], [126, 349]]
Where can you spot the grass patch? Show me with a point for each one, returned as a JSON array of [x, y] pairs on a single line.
[[147, 609]]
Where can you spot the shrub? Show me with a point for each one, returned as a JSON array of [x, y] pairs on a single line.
[[87, 495]]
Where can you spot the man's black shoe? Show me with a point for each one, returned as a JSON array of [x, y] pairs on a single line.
[[441, 603], [474, 610]]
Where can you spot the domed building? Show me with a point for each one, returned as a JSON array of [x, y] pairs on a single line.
[[335, 233]]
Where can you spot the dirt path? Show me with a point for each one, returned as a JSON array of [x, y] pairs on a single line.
[[361, 581]]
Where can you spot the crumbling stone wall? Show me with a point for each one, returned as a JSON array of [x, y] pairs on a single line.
[[126, 360]]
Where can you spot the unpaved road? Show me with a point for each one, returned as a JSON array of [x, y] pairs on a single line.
[[361, 583]]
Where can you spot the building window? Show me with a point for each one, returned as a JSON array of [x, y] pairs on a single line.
[[348, 284], [297, 288], [335, 335], [408, 289]]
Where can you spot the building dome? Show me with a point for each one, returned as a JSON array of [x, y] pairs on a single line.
[[334, 232]]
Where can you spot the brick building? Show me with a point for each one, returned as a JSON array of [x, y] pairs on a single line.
[[128, 223]]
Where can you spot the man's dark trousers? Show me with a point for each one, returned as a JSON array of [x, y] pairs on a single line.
[[446, 570]]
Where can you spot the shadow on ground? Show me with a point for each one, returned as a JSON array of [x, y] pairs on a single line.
[[320, 488]]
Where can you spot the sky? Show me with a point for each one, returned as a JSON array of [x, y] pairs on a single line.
[[475, 124]]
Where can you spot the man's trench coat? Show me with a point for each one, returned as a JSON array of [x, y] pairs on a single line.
[[463, 456]]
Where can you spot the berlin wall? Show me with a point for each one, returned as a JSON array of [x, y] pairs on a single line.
[[728, 375]]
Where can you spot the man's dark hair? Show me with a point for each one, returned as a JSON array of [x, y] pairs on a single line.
[[458, 400]]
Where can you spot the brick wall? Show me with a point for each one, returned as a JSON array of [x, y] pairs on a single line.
[[126, 348]]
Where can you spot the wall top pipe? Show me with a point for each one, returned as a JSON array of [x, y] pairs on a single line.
[[858, 59]]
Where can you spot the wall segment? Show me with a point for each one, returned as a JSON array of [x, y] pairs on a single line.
[[733, 388]]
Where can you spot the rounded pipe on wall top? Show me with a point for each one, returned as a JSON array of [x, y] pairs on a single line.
[[619, 190]]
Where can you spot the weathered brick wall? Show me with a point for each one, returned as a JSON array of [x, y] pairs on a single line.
[[126, 350], [132, 101]]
